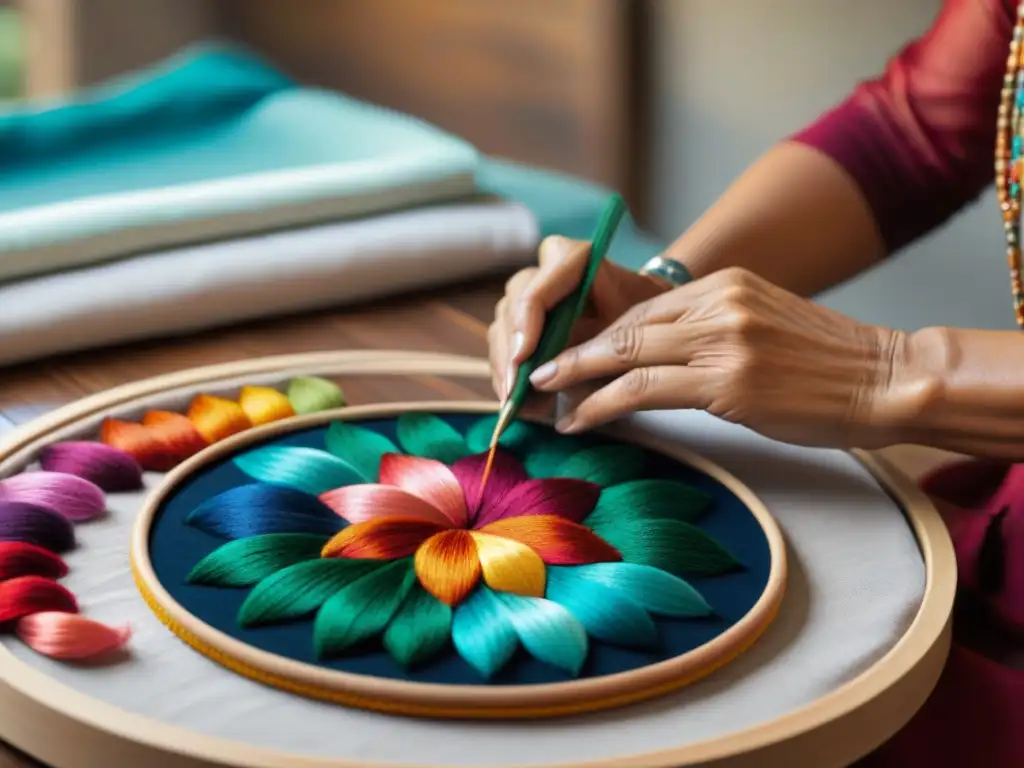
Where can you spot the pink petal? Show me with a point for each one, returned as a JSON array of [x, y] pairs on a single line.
[[506, 474], [429, 479], [559, 496], [359, 503]]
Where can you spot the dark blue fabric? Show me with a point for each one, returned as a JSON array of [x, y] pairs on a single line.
[[176, 547]]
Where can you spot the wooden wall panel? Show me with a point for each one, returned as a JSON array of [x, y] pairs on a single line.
[[548, 82]]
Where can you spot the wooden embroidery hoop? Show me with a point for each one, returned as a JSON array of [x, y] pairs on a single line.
[[65, 727], [450, 701]]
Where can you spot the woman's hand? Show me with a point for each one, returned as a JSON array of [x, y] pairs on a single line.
[[747, 351], [531, 293]]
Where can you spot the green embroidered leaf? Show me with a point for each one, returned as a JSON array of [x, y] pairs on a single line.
[[311, 394], [363, 608], [299, 590], [604, 465], [430, 437], [548, 631], [518, 439], [360, 447], [607, 613], [649, 500], [671, 545], [546, 456], [244, 562], [482, 632], [656, 591], [306, 469], [419, 630]]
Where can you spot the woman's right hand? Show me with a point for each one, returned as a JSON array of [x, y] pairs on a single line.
[[532, 293]]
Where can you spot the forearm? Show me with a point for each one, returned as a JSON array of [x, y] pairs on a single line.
[[795, 217], [959, 390]]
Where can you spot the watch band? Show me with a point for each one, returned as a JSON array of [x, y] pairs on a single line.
[[668, 270]]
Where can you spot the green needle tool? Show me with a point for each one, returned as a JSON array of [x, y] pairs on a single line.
[[558, 324]]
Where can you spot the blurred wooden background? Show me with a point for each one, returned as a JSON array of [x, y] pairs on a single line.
[[555, 83]]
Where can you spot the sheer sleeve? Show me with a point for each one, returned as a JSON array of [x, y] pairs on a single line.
[[919, 140]]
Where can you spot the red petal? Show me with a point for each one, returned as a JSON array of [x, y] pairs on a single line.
[[560, 496], [387, 538], [506, 474], [447, 566], [33, 594], [431, 480], [359, 503], [558, 541]]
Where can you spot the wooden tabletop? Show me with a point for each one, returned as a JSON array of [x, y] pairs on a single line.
[[453, 320]]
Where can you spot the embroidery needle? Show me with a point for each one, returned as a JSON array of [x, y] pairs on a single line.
[[557, 326]]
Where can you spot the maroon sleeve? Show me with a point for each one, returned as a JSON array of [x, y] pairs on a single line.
[[920, 139]]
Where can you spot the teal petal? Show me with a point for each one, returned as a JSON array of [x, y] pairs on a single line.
[[649, 500], [306, 469], [546, 457], [671, 545], [298, 591], [517, 439], [607, 614], [245, 562], [654, 590], [359, 447], [604, 465], [482, 632], [420, 629], [362, 609], [548, 631], [430, 437]]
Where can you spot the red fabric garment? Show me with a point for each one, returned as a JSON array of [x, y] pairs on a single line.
[[919, 140]]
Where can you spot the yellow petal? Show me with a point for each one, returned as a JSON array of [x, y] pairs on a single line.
[[263, 404], [509, 566]]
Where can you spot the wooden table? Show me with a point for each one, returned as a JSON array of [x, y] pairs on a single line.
[[453, 320]]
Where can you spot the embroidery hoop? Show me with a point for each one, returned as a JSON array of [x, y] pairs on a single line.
[[65, 726], [450, 701]]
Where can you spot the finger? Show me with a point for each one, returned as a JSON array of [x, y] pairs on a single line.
[[497, 350], [612, 353], [641, 389], [562, 263]]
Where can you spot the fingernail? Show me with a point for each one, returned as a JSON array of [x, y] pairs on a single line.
[[565, 424], [545, 373], [517, 344]]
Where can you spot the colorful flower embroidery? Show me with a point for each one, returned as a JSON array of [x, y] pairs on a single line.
[[565, 542]]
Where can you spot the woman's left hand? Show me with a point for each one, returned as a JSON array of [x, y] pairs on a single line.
[[747, 351]]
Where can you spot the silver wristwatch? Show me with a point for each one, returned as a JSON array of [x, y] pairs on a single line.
[[668, 270]]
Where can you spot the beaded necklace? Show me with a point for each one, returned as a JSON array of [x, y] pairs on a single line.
[[1008, 160]]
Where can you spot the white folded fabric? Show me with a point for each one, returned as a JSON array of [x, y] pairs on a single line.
[[194, 288]]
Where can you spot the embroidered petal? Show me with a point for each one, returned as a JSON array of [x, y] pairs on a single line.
[[362, 609], [558, 541], [257, 509], [518, 439], [509, 566], [429, 436], [359, 446], [604, 464], [607, 614], [561, 496], [359, 503], [655, 590], [548, 631], [420, 629], [311, 394], [245, 562], [305, 469], [299, 590], [429, 479], [546, 456], [671, 545], [506, 474], [386, 538], [483, 634], [264, 405], [648, 500], [447, 566]]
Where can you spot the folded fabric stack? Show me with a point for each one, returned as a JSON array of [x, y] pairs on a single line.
[[213, 189]]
